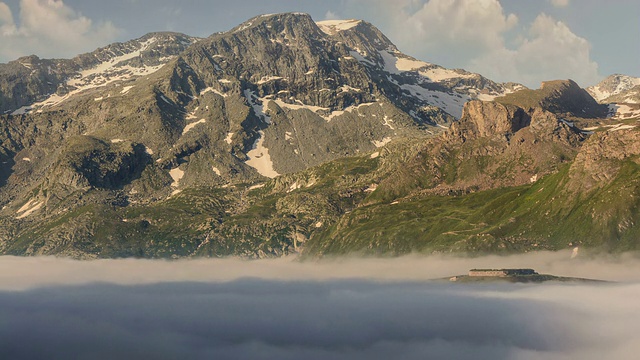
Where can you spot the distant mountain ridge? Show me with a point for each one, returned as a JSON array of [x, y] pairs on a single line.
[[31, 82], [617, 88]]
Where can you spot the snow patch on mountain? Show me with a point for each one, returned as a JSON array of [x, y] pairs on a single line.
[[176, 174], [165, 99], [406, 64], [452, 103], [387, 122], [347, 88], [623, 112], [210, 89], [192, 125], [491, 96], [438, 74], [299, 106], [389, 62], [88, 76], [30, 207], [619, 127], [395, 64], [23, 110], [259, 158], [228, 138], [358, 56], [381, 143], [332, 27], [266, 79], [349, 109], [258, 105]]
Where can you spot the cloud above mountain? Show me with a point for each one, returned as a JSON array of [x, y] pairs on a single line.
[[481, 36], [560, 3], [474, 25], [50, 28], [550, 50], [339, 309]]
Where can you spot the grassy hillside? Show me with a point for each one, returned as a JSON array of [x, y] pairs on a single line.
[[544, 215]]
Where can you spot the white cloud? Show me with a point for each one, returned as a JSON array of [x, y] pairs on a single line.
[[49, 28], [478, 35], [477, 24], [23, 273], [560, 3], [7, 25], [337, 309], [549, 51], [330, 15]]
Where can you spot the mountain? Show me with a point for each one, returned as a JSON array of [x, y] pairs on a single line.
[[617, 88], [285, 135], [32, 83]]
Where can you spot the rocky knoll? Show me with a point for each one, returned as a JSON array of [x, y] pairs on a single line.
[[493, 145], [563, 97], [480, 119], [601, 158]]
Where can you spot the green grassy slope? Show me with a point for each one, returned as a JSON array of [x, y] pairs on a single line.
[[544, 215]]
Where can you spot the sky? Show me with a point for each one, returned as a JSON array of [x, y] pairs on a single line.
[[510, 40], [58, 308]]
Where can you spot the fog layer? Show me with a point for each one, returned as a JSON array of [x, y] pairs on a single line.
[[23, 273], [341, 309]]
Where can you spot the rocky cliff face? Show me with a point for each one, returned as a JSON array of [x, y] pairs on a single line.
[[489, 119], [601, 158], [492, 146]]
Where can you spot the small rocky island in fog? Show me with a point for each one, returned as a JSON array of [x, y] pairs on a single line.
[[512, 275]]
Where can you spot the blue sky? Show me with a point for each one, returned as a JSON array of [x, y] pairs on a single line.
[[526, 41]]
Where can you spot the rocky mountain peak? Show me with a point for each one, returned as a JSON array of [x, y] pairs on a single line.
[[617, 88], [360, 35], [297, 25]]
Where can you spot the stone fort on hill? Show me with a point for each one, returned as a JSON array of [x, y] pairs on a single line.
[[501, 272]]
